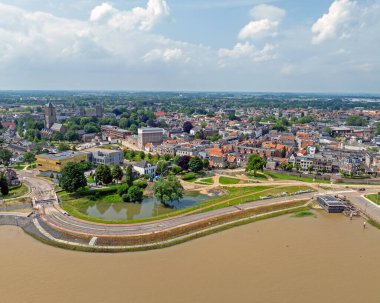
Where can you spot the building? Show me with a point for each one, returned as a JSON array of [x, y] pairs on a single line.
[[150, 135], [50, 115], [55, 162], [145, 168], [114, 133], [99, 111], [105, 156], [330, 204]]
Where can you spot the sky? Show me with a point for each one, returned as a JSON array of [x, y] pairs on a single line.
[[198, 45]]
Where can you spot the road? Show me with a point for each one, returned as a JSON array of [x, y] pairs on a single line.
[[43, 191], [61, 221]]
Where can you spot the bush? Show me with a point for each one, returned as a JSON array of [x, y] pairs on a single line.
[[123, 190], [125, 198], [189, 176], [141, 184]]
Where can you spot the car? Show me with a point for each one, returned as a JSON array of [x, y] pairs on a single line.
[[361, 189]]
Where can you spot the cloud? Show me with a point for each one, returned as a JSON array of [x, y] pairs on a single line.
[[266, 19], [259, 29], [248, 51], [265, 11], [166, 55], [336, 23], [137, 18]]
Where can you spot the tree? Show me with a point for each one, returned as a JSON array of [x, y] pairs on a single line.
[[183, 162], [215, 137], [5, 156], [129, 175], [135, 194], [103, 174], [255, 163], [162, 167], [356, 121], [206, 163], [310, 168], [187, 127], [283, 152], [63, 147], [72, 177], [91, 128], [167, 190], [117, 173], [196, 164], [4, 187], [29, 157]]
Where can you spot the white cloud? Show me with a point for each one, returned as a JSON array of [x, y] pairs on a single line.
[[266, 19], [137, 18], [166, 55], [265, 11], [259, 29], [336, 23], [248, 51]]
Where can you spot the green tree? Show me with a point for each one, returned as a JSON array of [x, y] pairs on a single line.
[[29, 157], [255, 163], [129, 175], [162, 167], [135, 194], [5, 156], [206, 163], [4, 187], [167, 190], [63, 147], [196, 164], [117, 173], [103, 174], [72, 177], [310, 168], [356, 120], [283, 152]]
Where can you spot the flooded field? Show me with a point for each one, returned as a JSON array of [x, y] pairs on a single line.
[[150, 207], [287, 259]]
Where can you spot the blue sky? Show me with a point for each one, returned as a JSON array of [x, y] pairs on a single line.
[[235, 45]]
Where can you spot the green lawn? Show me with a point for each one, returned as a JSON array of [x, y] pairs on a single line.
[[228, 181], [374, 198], [18, 166], [279, 176], [16, 191], [208, 181], [257, 176], [266, 192]]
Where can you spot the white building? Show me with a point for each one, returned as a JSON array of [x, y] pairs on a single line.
[[145, 168]]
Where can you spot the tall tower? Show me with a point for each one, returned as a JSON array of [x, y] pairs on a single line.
[[50, 115], [99, 110]]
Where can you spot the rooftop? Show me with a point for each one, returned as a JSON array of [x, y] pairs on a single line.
[[61, 156]]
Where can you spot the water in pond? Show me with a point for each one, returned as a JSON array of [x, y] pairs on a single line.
[[150, 207]]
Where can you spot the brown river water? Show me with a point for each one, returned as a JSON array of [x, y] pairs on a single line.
[[323, 259]]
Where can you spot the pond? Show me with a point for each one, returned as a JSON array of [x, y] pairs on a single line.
[[150, 207]]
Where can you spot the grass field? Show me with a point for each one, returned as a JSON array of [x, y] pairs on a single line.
[[228, 181], [257, 176], [16, 191], [279, 176], [208, 181], [374, 198]]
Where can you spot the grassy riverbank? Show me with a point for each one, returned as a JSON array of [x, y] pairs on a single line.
[[76, 204], [184, 234]]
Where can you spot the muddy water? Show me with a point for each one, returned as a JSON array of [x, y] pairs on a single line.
[[324, 259]]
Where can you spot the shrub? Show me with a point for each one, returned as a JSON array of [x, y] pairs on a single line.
[[123, 190], [141, 184], [189, 176], [125, 198]]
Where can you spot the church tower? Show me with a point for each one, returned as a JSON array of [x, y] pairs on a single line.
[[50, 115]]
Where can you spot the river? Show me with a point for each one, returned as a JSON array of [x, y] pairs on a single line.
[[286, 259]]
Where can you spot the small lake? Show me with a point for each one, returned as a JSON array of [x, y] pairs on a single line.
[[150, 207]]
